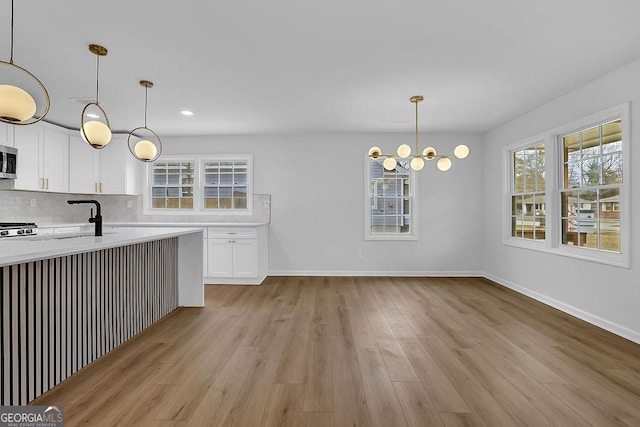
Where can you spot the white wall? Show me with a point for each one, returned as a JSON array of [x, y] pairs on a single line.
[[317, 205], [604, 295]]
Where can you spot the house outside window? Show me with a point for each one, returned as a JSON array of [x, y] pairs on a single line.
[[592, 179], [200, 185], [566, 190], [390, 207], [528, 197]]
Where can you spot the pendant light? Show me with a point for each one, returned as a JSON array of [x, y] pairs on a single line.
[[17, 90], [145, 144], [96, 132], [417, 159]]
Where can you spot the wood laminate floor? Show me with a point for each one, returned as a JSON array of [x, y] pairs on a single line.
[[344, 351]]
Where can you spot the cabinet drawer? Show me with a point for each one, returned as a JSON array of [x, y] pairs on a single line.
[[222, 233]]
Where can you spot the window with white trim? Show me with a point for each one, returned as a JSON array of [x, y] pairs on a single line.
[[198, 185], [566, 191], [591, 183], [390, 208], [172, 184], [528, 197]]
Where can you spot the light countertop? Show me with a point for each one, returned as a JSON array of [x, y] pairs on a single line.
[[14, 250], [160, 224]]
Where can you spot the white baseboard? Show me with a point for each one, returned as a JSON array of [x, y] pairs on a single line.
[[368, 273], [605, 324]]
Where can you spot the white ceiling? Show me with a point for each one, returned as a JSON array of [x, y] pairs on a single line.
[[288, 66]]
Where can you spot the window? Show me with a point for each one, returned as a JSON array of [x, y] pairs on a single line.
[[566, 192], [592, 178], [200, 185], [172, 185], [225, 184], [390, 209], [528, 198]]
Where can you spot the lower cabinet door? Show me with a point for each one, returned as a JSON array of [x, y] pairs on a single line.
[[245, 258], [219, 258]]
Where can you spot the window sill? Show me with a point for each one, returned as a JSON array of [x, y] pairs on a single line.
[[390, 237], [585, 254]]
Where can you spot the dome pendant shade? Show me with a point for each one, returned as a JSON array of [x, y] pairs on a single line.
[[144, 144], [96, 133], [16, 104]]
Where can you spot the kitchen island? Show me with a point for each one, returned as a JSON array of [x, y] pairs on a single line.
[[68, 300]]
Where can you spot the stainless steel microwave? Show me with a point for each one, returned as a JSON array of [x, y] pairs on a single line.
[[8, 162]]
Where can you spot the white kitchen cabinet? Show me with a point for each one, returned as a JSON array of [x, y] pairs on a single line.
[[27, 141], [5, 132], [112, 170], [236, 255], [43, 156], [55, 161]]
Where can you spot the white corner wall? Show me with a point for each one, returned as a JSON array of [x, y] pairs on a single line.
[[604, 295], [316, 184]]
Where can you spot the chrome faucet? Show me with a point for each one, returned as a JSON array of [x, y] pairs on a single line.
[[97, 220]]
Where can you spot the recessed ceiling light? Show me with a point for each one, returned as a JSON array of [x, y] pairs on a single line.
[[186, 113], [93, 116]]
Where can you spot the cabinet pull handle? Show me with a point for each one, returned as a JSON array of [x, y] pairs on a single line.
[[42, 183], [229, 241], [231, 233], [95, 187], [101, 188], [46, 180]]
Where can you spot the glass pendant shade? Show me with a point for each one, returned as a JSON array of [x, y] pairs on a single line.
[[461, 151], [404, 151], [145, 144], [389, 163], [375, 152], [16, 105], [417, 163], [95, 132], [429, 152], [444, 164]]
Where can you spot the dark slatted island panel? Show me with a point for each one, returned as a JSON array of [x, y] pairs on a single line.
[[60, 314]]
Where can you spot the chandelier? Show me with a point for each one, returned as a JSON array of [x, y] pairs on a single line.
[[417, 158]]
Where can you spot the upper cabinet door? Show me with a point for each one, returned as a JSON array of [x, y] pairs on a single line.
[[27, 141], [83, 164], [113, 167], [55, 160]]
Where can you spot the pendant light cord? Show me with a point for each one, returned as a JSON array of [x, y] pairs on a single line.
[[146, 95], [97, 77], [417, 128], [11, 59]]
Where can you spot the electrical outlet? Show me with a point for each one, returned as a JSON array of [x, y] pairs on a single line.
[[266, 204], [33, 203], [129, 204], [359, 255]]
